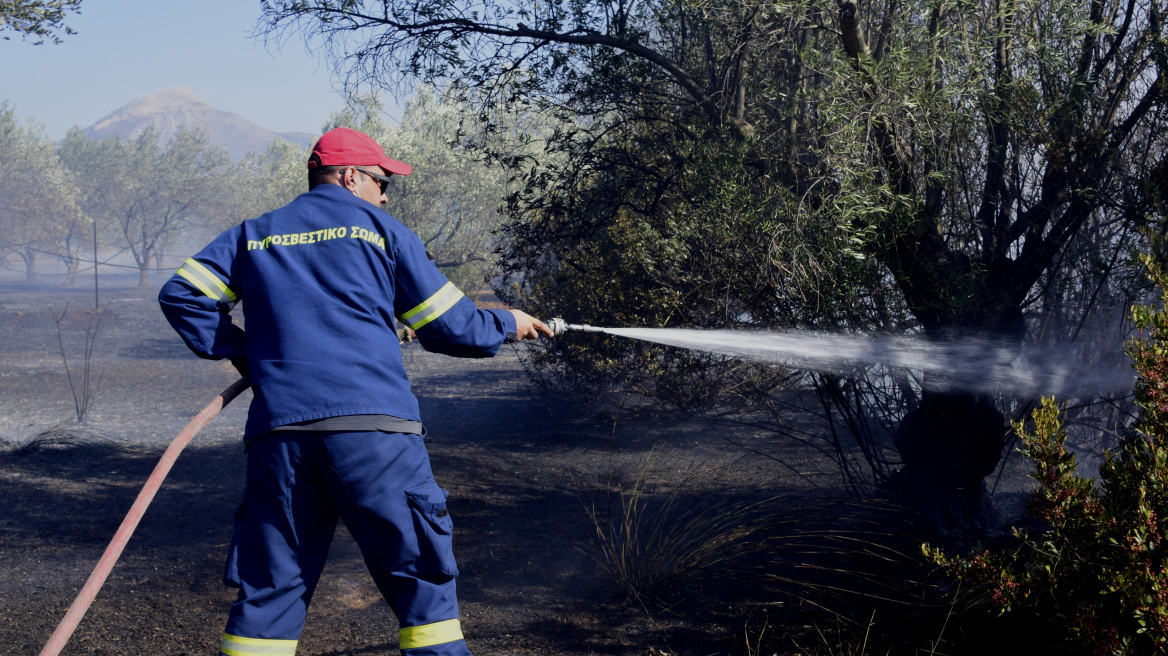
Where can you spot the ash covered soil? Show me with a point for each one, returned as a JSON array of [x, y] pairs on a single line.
[[520, 474]]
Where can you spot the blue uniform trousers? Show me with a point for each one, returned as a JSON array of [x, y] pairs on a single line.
[[380, 484]]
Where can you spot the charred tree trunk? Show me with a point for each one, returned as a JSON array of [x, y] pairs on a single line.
[[953, 439], [948, 445]]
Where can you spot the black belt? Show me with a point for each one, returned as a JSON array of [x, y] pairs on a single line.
[[352, 424]]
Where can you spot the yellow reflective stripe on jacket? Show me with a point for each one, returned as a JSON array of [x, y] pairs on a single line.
[[428, 635], [202, 277], [433, 307], [197, 282], [237, 646]]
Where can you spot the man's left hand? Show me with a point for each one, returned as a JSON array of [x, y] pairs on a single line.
[[528, 327]]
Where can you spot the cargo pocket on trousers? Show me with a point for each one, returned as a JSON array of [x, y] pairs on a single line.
[[435, 531], [231, 567]]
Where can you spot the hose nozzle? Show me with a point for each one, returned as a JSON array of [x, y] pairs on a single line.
[[559, 327]]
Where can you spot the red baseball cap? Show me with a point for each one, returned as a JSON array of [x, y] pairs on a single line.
[[345, 147]]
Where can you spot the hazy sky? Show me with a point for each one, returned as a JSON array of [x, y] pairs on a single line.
[[126, 49]]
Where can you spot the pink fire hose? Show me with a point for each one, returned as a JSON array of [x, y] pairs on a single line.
[[84, 598]]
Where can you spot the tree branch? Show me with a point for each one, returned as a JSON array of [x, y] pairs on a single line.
[[455, 28], [990, 217], [851, 30]]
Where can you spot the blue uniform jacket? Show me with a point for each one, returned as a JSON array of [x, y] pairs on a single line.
[[321, 280]]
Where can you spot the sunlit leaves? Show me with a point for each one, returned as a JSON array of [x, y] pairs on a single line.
[[37, 20]]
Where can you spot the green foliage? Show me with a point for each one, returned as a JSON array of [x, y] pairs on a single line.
[[40, 214], [145, 193], [663, 231], [37, 19], [267, 181], [1101, 566]]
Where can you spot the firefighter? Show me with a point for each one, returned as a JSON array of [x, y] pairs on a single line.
[[333, 430]]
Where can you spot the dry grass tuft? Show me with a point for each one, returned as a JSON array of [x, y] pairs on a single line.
[[820, 549], [63, 435]]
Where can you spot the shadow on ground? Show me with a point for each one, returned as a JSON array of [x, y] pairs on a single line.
[[528, 583]]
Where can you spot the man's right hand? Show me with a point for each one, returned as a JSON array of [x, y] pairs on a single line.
[[528, 327]]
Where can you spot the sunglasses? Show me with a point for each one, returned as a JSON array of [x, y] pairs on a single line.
[[381, 179]]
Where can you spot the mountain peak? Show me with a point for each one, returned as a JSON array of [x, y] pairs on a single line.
[[168, 111], [178, 98]]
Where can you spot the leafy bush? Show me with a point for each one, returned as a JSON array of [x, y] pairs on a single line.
[[1100, 568]]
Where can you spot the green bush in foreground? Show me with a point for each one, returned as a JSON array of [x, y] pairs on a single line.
[[1100, 569]]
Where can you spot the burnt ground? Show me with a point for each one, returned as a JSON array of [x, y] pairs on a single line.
[[520, 475]]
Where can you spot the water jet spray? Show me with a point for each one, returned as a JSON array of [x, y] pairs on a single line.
[[973, 363]]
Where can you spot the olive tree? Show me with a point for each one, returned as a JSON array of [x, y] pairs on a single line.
[[979, 145], [40, 213], [145, 193]]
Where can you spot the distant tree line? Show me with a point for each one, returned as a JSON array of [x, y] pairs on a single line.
[[144, 196]]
